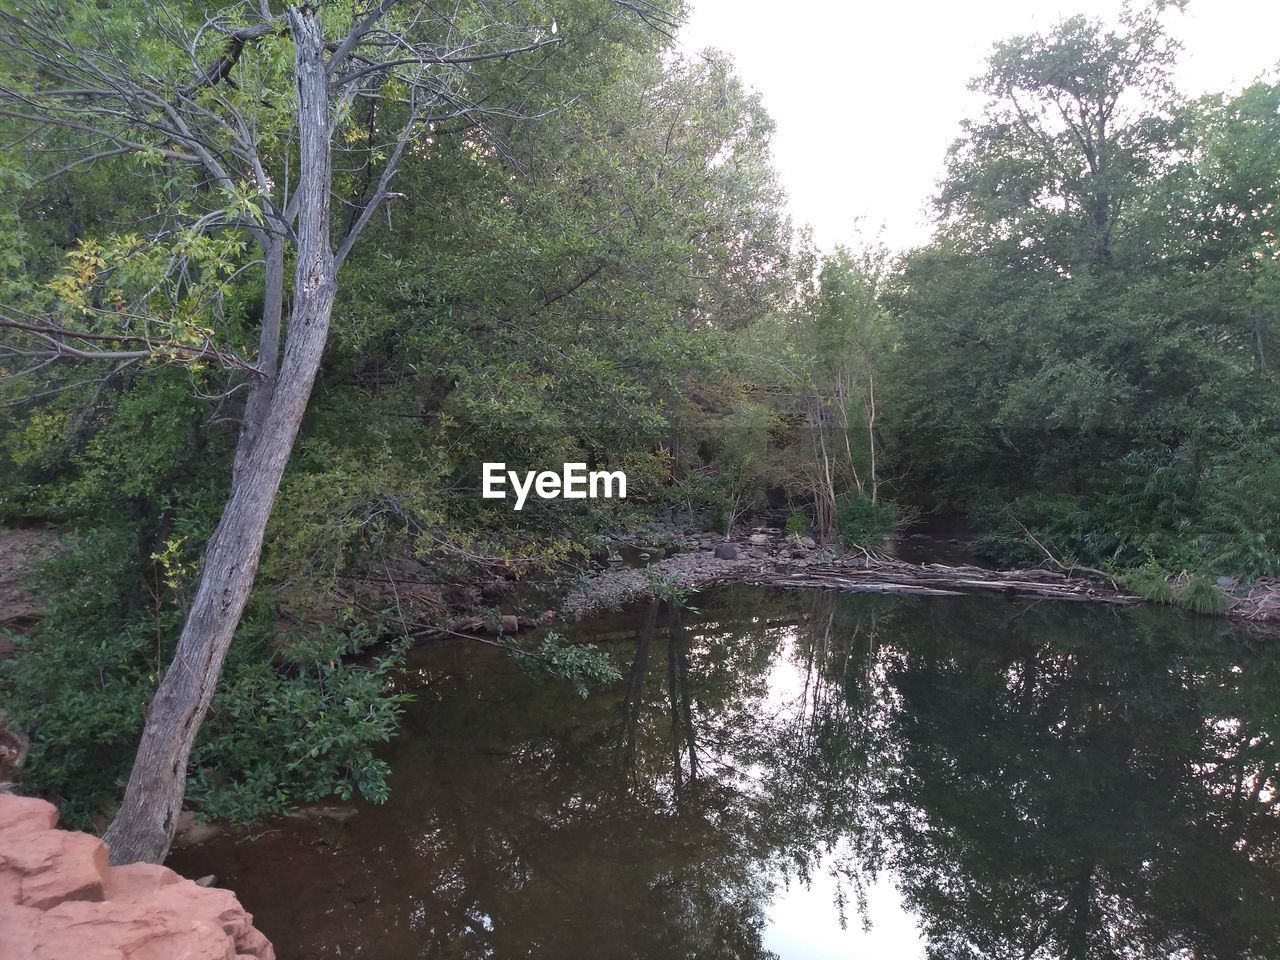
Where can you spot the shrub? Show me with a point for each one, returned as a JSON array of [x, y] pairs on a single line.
[[1220, 518], [798, 522], [1149, 581], [1195, 592], [862, 522], [277, 737], [288, 725], [1242, 517], [1191, 591]]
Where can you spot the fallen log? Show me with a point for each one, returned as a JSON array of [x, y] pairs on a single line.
[[875, 574], [851, 586]]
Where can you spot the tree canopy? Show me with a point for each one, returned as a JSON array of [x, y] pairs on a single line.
[[278, 278]]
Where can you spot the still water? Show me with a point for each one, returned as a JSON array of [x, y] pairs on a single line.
[[811, 776]]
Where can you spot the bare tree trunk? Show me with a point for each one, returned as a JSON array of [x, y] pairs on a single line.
[[871, 432], [824, 496], [842, 399], [262, 390], [143, 828]]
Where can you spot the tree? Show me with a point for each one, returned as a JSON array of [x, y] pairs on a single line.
[[1071, 131], [844, 338], [816, 363], [1082, 350], [245, 111]]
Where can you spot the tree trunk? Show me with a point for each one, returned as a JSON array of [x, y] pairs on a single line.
[[871, 433], [821, 480], [258, 404], [143, 828]]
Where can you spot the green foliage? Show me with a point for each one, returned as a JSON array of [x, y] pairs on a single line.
[[577, 664], [1241, 522], [862, 522], [539, 292], [1218, 518], [668, 589], [1150, 581], [1081, 357], [280, 734], [1197, 593], [1191, 591], [289, 724], [79, 684]]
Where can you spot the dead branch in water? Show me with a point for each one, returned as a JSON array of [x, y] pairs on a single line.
[[880, 574]]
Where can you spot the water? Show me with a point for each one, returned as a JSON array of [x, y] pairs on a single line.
[[812, 776]]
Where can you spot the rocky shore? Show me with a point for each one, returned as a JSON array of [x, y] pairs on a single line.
[[695, 560]]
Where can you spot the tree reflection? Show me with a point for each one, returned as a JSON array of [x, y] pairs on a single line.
[[1099, 785], [1040, 781]]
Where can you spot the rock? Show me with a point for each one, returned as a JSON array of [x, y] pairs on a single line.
[[59, 899], [325, 811], [26, 814], [726, 551], [189, 833], [760, 539]]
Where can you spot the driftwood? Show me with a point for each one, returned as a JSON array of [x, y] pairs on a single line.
[[1260, 604], [875, 573]]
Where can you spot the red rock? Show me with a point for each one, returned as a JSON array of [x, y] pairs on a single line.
[[54, 866], [27, 813], [60, 900]]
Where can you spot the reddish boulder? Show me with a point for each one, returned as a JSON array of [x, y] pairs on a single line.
[[59, 899]]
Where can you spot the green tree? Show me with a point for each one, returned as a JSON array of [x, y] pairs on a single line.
[[1082, 349], [247, 109]]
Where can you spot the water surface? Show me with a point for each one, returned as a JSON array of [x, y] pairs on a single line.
[[812, 776]]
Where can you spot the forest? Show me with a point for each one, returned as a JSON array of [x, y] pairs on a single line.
[[279, 279]]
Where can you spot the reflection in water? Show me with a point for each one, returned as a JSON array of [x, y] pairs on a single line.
[[1020, 781]]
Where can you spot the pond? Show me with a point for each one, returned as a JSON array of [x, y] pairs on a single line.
[[809, 775]]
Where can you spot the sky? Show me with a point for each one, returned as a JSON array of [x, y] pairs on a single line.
[[867, 96]]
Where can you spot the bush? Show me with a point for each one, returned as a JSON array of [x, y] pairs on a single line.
[[278, 737], [287, 725], [1219, 518], [862, 522], [1241, 525], [798, 522], [1149, 581], [1191, 591]]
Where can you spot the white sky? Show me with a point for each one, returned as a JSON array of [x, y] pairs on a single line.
[[867, 96]]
